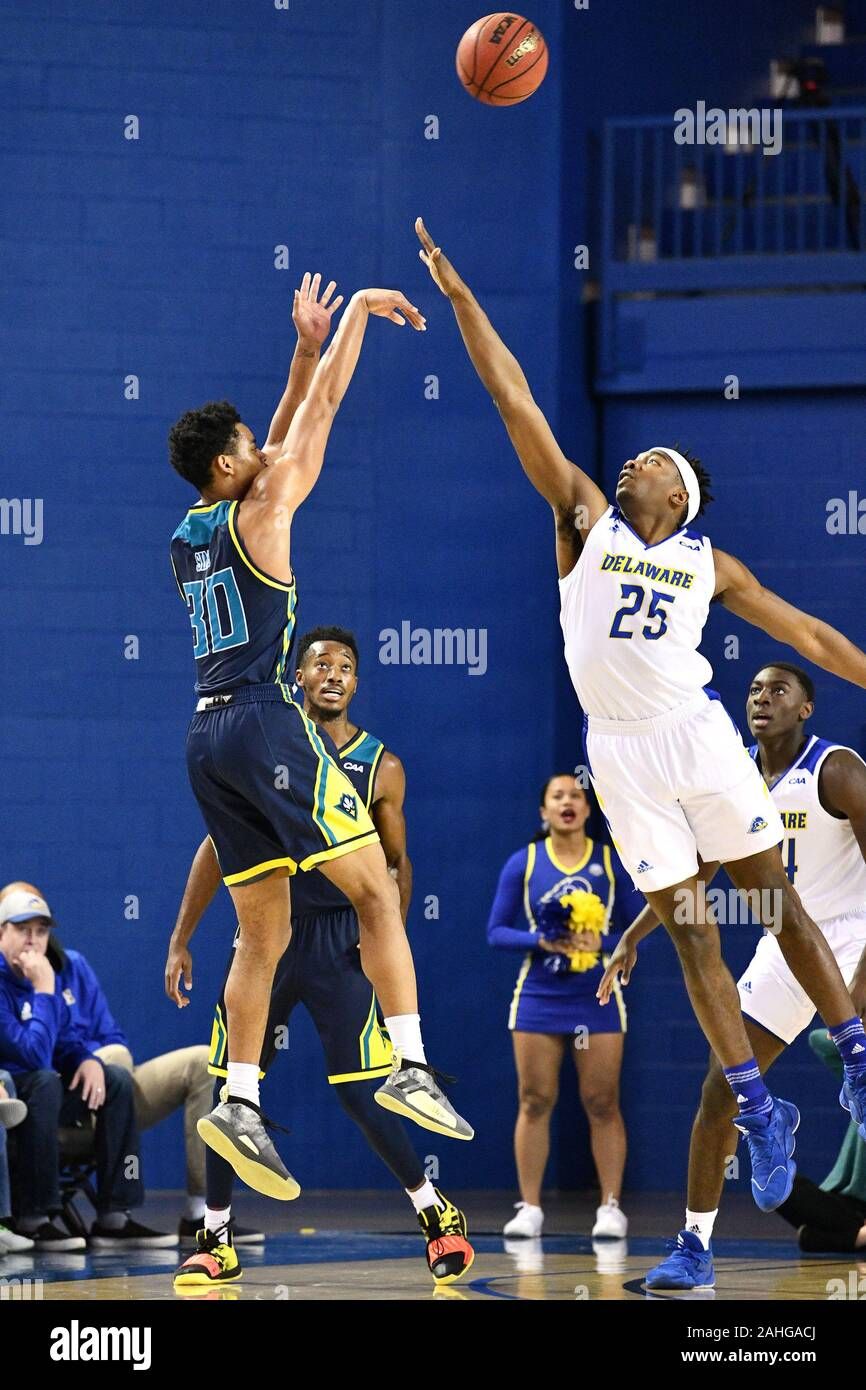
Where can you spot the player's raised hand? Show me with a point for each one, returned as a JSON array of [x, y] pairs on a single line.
[[621, 964], [179, 963], [391, 304], [440, 267], [312, 315]]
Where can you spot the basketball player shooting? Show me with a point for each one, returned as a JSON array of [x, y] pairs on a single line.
[[273, 798], [670, 770]]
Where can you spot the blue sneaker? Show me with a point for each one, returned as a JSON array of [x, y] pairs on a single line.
[[852, 1098], [688, 1266], [771, 1144]]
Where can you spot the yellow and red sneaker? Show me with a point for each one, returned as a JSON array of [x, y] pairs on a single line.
[[449, 1254], [214, 1261]]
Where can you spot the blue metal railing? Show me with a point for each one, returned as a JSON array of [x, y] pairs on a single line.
[[692, 218], [665, 201]]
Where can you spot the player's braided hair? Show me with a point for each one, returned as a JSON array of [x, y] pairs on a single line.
[[326, 634], [704, 482], [198, 436]]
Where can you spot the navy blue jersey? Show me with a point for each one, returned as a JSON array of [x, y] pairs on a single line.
[[359, 759], [243, 621]]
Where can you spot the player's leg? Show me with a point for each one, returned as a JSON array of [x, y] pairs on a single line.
[[411, 1089], [598, 1067], [538, 1060], [357, 1051]]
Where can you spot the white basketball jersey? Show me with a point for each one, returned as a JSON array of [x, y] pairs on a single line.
[[632, 617], [820, 852]]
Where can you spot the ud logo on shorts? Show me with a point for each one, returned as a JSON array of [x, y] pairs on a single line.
[[348, 805], [757, 824]]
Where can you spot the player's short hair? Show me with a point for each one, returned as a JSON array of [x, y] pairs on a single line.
[[198, 436], [806, 683], [704, 482], [326, 634]]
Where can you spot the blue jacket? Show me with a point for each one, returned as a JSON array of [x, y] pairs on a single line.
[[37, 1031], [88, 1007]]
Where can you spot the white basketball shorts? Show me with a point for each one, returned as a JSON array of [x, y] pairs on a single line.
[[676, 786], [771, 996]]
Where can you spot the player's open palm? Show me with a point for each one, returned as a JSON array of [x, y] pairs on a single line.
[[391, 304], [440, 267], [312, 315]]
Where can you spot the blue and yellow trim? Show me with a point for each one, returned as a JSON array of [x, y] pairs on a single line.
[[533, 926], [241, 549], [375, 1048]]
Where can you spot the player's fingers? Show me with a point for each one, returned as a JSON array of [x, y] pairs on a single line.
[[329, 290], [396, 318], [315, 286], [332, 308], [423, 234], [187, 977], [305, 285]]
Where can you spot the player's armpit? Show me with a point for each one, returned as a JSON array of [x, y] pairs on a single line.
[[740, 591]]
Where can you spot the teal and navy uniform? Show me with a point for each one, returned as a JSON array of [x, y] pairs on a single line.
[[322, 966], [553, 995], [269, 789]]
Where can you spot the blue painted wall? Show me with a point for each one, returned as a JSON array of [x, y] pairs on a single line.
[[155, 257]]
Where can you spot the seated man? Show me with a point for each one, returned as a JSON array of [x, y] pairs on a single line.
[[160, 1086], [50, 1062], [12, 1112]]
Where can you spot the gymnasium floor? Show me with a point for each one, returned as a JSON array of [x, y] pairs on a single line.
[[360, 1246]]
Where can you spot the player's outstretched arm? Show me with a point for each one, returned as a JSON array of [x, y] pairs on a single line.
[[817, 641], [312, 319], [565, 486], [202, 883], [389, 820]]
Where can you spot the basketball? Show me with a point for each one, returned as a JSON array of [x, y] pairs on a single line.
[[502, 59]]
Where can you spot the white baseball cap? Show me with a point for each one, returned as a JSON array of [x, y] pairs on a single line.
[[22, 906]]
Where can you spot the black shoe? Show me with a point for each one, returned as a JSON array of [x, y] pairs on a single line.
[[129, 1236], [187, 1230], [51, 1236], [449, 1254]]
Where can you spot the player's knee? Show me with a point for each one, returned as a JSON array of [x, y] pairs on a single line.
[[373, 897], [267, 936], [601, 1105], [535, 1104]]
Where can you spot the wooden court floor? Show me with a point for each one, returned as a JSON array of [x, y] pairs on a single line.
[[359, 1247]]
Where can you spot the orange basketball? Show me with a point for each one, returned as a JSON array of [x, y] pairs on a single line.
[[502, 59]]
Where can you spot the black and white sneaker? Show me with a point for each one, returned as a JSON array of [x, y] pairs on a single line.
[[129, 1236], [235, 1130], [188, 1229], [412, 1091], [51, 1236]]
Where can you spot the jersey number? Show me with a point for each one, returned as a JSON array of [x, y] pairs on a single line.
[[791, 865], [635, 595], [208, 632]]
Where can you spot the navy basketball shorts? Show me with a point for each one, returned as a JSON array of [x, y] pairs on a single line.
[[270, 793], [320, 969]]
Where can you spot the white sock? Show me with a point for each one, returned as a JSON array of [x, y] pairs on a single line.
[[214, 1219], [404, 1030], [243, 1081], [194, 1209], [700, 1223], [424, 1196]]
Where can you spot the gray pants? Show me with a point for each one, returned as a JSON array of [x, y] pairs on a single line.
[[163, 1085]]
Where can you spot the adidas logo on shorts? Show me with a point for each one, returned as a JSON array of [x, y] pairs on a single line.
[[642, 867]]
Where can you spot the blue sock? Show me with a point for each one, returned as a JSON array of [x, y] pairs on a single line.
[[748, 1087], [851, 1041]]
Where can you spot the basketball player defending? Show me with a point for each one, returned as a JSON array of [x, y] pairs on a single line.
[[819, 789], [273, 798], [670, 770]]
